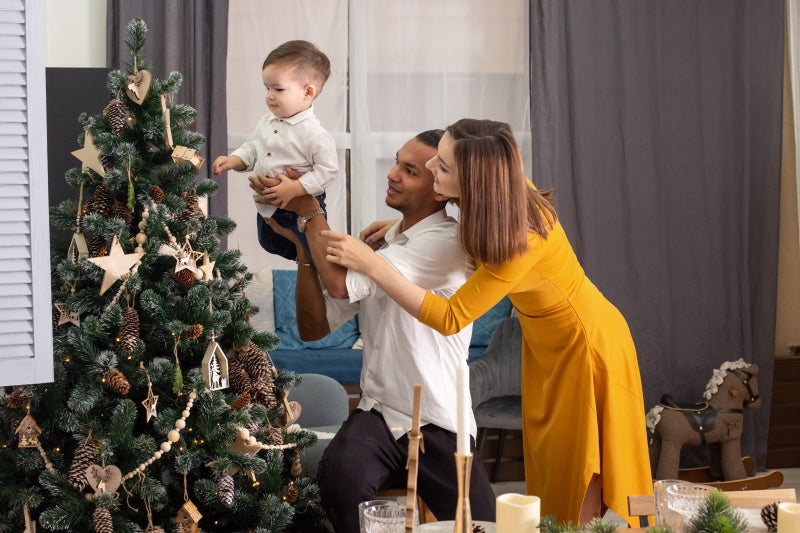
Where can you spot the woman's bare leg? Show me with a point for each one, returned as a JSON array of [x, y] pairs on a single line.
[[593, 506]]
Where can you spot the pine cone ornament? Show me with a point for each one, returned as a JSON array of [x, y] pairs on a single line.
[[121, 211], [116, 381], [225, 487], [85, 456], [18, 399], [101, 517], [255, 361], [86, 208], [275, 436], [118, 116], [193, 331], [97, 246], [103, 202], [769, 515], [192, 207], [239, 380], [107, 160], [184, 277], [157, 194], [129, 332], [241, 402], [291, 494]]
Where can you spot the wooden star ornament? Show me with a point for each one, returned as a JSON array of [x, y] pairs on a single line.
[[116, 264], [149, 404], [207, 268], [65, 315], [89, 155]]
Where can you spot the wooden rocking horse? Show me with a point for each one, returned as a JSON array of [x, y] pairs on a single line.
[[717, 421]]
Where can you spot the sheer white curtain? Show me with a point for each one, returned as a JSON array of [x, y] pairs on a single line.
[[411, 66], [793, 34]]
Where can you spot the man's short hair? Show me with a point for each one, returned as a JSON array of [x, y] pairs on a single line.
[[305, 59], [430, 138]]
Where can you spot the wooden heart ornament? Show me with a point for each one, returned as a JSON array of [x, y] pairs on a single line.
[[138, 86], [104, 479], [293, 411]]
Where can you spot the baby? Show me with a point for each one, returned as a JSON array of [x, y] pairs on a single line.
[[289, 135]]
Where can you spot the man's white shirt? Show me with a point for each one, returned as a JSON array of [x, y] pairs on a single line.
[[399, 351]]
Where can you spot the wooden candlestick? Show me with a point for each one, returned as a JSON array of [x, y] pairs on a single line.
[[463, 522]]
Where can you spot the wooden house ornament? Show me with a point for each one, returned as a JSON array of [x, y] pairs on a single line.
[[182, 153], [215, 366], [28, 432], [78, 249], [188, 518]]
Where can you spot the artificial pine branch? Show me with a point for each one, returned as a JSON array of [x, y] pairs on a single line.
[[716, 515]]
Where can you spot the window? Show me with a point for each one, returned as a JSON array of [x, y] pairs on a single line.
[[398, 68], [26, 355]]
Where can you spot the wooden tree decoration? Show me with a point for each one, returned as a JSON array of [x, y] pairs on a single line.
[[183, 154], [89, 155], [188, 518], [116, 264], [215, 366], [28, 432]]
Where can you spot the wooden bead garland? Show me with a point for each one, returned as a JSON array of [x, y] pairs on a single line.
[[172, 437]]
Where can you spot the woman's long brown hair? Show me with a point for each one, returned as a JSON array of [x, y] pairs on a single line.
[[498, 208]]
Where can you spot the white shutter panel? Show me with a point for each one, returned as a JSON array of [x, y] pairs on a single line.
[[26, 343]]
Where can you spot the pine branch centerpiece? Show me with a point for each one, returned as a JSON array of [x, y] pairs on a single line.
[[132, 435]]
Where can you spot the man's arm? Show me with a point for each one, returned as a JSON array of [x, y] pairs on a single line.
[[333, 276], [312, 321]]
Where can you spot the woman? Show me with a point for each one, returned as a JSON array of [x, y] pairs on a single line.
[[583, 409]]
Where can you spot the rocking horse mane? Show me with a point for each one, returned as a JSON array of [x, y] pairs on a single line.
[[718, 376]]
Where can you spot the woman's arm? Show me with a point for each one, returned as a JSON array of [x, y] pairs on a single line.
[[353, 254]]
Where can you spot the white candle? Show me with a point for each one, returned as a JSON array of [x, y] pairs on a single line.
[[517, 513], [463, 408], [788, 517]]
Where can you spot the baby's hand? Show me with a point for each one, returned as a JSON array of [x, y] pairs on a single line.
[[221, 164], [282, 193]]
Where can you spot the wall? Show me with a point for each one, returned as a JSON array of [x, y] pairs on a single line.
[[787, 326], [76, 33]]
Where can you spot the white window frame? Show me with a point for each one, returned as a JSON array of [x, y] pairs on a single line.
[[26, 337]]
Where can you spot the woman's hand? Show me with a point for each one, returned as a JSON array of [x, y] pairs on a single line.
[[374, 234], [349, 252]]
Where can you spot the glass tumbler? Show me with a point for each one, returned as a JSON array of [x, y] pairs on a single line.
[[371, 503], [685, 499], [385, 519], [665, 516]]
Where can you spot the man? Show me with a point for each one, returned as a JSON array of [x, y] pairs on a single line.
[[370, 451]]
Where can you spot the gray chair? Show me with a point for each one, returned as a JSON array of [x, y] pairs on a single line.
[[324, 407], [494, 382]]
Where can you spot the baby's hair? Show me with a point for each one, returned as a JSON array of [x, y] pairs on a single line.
[[304, 58]]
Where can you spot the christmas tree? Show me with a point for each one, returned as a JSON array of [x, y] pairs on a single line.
[[166, 413]]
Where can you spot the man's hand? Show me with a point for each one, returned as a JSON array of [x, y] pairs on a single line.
[[374, 233]]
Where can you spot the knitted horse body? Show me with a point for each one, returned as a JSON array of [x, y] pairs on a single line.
[[718, 420]]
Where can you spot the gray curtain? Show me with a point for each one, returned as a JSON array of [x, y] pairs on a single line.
[[190, 37], [658, 125]]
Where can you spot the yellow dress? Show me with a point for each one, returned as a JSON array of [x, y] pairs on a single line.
[[583, 408]]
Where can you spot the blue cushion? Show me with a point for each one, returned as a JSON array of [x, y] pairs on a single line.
[[342, 365], [283, 283], [483, 327]]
